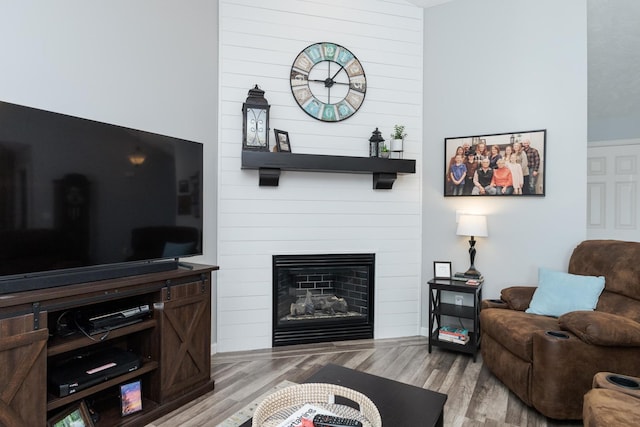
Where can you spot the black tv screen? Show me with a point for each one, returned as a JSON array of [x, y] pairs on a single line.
[[83, 200]]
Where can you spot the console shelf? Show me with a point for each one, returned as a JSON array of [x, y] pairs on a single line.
[[57, 402], [62, 345], [269, 165]]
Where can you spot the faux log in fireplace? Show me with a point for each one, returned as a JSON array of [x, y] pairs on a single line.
[[321, 298]]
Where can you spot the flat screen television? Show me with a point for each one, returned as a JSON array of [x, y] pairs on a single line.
[[82, 200]]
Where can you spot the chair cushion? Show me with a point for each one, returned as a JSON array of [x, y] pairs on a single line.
[[614, 259], [610, 302], [559, 293], [514, 329], [598, 328]]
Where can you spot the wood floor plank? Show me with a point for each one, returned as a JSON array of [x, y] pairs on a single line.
[[489, 398], [475, 397]]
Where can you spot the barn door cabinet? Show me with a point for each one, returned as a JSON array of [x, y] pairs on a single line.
[[174, 343]]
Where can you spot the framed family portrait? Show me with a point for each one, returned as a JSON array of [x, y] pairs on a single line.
[[503, 164], [76, 415], [442, 269], [282, 141]]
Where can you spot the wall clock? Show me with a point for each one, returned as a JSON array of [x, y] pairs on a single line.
[[328, 82]]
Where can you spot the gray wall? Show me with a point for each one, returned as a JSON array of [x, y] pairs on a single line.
[[501, 66]]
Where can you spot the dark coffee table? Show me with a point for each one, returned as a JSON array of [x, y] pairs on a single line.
[[400, 405]]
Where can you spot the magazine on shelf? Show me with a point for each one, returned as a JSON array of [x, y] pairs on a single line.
[[303, 417]]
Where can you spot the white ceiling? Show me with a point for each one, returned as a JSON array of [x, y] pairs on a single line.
[[613, 57]]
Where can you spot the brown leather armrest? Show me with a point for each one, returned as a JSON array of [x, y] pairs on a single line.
[[622, 383], [492, 303], [599, 328], [518, 297]]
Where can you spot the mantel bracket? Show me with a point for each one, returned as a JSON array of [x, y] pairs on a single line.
[[383, 181], [269, 177]]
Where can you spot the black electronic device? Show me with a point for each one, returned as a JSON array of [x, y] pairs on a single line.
[[88, 369], [332, 421], [83, 200], [116, 319]]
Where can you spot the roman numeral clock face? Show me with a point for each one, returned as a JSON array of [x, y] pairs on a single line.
[[328, 82]]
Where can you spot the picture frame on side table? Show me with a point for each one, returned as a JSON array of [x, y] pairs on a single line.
[[282, 141], [75, 415], [523, 174], [442, 269]]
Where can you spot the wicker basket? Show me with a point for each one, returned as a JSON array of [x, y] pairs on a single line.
[[275, 408]]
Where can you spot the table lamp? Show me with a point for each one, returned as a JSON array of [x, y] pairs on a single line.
[[473, 226]]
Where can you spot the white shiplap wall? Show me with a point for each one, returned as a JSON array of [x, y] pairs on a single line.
[[317, 212]]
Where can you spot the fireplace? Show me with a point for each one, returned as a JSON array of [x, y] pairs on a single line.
[[321, 298]]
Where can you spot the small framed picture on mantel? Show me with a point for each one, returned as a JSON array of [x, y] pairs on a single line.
[[282, 141], [442, 269]]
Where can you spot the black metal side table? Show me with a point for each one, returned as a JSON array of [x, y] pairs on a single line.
[[437, 309]]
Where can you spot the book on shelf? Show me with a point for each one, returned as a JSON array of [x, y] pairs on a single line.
[[453, 339], [468, 276], [452, 331], [469, 280]]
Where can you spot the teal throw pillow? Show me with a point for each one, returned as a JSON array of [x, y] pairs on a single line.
[[559, 293]]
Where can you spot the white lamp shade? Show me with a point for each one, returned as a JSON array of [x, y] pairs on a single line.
[[472, 225]]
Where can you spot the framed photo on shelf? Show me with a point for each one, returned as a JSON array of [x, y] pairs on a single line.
[[442, 269], [503, 164], [76, 415], [130, 398], [282, 140]]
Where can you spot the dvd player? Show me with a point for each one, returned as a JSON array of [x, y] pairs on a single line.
[[116, 319], [86, 370]]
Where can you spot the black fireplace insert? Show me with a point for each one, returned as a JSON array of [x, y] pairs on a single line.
[[322, 298]]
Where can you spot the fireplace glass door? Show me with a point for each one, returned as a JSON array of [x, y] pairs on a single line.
[[320, 298]]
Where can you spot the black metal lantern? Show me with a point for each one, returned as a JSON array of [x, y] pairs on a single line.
[[255, 121], [374, 143]]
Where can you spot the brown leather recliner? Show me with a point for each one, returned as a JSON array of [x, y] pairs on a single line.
[[550, 362]]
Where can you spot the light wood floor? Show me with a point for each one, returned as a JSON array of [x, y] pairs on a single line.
[[476, 398]]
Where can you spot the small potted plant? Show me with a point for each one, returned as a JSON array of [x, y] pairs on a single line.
[[384, 151], [397, 140], [398, 132]]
